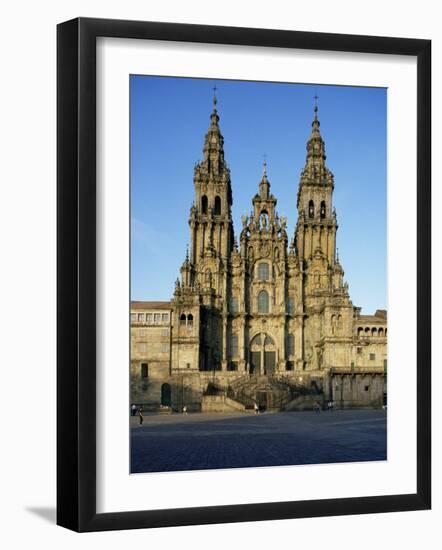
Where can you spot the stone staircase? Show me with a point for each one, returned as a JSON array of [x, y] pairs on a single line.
[[220, 403], [276, 392], [272, 393]]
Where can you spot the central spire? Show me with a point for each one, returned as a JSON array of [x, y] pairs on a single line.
[[264, 185]]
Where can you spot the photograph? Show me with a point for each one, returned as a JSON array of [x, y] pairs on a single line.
[[258, 273]]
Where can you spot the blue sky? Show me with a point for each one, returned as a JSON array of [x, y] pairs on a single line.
[[169, 118]]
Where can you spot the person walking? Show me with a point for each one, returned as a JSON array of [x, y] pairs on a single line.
[[134, 409], [140, 415], [185, 410], [255, 406]]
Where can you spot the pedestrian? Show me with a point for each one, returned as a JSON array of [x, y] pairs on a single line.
[[140, 415], [330, 406], [134, 409], [255, 406], [185, 410], [317, 407]]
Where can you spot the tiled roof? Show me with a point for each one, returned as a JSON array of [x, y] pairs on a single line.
[[371, 319], [151, 305]]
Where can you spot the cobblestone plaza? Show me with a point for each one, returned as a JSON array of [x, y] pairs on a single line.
[[212, 441]]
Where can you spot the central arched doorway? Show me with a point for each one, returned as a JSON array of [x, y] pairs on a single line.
[[166, 395], [262, 358]]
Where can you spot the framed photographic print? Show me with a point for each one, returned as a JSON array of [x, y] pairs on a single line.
[[243, 258]]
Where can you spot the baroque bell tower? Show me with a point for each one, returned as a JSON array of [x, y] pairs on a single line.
[[211, 227], [316, 227], [200, 299]]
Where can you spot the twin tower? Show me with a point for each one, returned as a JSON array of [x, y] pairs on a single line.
[[256, 304]]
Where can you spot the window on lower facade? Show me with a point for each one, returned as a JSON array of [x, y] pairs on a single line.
[[290, 365], [149, 317], [291, 306], [366, 388], [263, 271], [234, 308], [372, 356], [164, 317], [263, 302], [156, 318], [232, 365], [359, 351], [140, 317], [290, 344], [142, 348], [144, 370], [234, 345], [133, 317]]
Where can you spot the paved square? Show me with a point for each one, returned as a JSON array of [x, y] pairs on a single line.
[[210, 441]]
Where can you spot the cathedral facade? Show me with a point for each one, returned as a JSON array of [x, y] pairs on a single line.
[[262, 317]]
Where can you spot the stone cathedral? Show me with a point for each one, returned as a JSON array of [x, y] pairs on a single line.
[[262, 317]]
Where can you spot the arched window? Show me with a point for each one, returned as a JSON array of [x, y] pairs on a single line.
[[182, 319], [190, 320], [381, 332], [234, 308], [217, 209], [367, 332], [268, 341], [263, 271], [290, 344], [256, 340], [311, 209], [263, 302], [322, 210], [204, 204], [360, 332], [234, 345], [291, 306], [374, 332]]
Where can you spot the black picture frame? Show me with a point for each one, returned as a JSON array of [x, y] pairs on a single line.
[[77, 287]]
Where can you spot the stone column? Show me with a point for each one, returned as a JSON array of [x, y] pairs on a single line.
[[224, 356], [300, 242], [242, 346], [203, 238]]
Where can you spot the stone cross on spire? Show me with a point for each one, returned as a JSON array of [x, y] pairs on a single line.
[[214, 97]]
